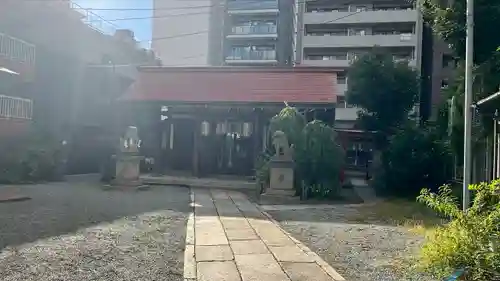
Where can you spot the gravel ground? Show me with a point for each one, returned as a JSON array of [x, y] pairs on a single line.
[[359, 252], [77, 231]]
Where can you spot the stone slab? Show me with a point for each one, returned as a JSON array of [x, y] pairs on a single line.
[[213, 253], [236, 195], [305, 272], [190, 230], [245, 233], [218, 271], [260, 267], [210, 234], [234, 223], [273, 236], [189, 262], [280, 192], [249, 247], [290, 254]]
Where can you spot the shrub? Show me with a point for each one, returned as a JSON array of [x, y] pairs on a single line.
[[30, 159], [415, 158], [470, 240], [318, 158]]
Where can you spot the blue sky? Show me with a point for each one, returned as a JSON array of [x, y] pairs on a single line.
[[141, 27]]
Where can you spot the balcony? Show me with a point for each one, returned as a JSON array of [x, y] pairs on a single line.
[[346, 114], [253, 7], [360, 41], [255, 56], [256, 31], [380, 16], [17, 55], [338, 63]]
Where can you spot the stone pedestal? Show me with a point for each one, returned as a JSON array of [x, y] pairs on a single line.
[[281, 183], [281, 175], [127, 170]]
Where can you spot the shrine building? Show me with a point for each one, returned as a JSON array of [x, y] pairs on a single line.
[[214, 120]]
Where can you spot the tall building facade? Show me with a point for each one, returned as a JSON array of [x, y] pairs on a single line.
[[334, 33], [223, 32]]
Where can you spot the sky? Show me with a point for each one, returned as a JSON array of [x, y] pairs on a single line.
[[141, 27]]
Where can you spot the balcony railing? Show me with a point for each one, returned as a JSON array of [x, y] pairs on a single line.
[[95, 21], [15, 107], [252, 55], [16, 49], [257, 29], [252, 5]]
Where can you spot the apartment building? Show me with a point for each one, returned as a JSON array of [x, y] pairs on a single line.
[[63, 74], [223, 32], [17, 59], [334, 33]]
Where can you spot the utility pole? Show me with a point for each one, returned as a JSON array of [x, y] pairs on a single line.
[[469, 64]]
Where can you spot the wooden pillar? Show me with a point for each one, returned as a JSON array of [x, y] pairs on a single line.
[[196, 147], [257, 134]]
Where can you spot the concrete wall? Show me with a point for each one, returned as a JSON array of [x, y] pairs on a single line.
[[181, 31]]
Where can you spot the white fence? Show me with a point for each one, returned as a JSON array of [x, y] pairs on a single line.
[[16, 108]]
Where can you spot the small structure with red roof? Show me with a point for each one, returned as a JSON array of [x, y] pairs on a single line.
[[214, 120]]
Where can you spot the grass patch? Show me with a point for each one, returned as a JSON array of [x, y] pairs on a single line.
[[413, 215]]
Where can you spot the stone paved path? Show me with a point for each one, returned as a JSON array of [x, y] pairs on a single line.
[[229, 239]]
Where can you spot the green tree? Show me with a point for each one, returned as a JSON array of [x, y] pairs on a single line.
[[416, 157], [383, 89], [449, 23]]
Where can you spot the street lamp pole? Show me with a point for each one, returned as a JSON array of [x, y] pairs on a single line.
[[469, 64]]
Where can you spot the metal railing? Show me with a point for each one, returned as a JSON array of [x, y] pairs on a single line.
[[17, 49], [95, 21], [252, 55], [252, 5], [15, 107], [256, 29]]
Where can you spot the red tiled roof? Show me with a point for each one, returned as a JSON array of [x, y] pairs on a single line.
[[234, 84]]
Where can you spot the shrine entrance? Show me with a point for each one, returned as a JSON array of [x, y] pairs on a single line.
[[234, 146], [214, 120], [182, 144], [218, 140]]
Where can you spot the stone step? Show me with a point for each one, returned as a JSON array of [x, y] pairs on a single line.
[[359, 182], [266, 199], [366, 193], [280, 192]]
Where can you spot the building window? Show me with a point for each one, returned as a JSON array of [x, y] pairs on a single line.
[[341, 79], [357, 32], [444, 84], [16, 108], [361, 9], [341, 102], [447, 60]]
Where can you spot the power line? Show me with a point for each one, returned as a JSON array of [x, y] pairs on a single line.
[[152, 17], [176, 36], [169, 8], [182, 8], [206, 31], [202, 13]]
